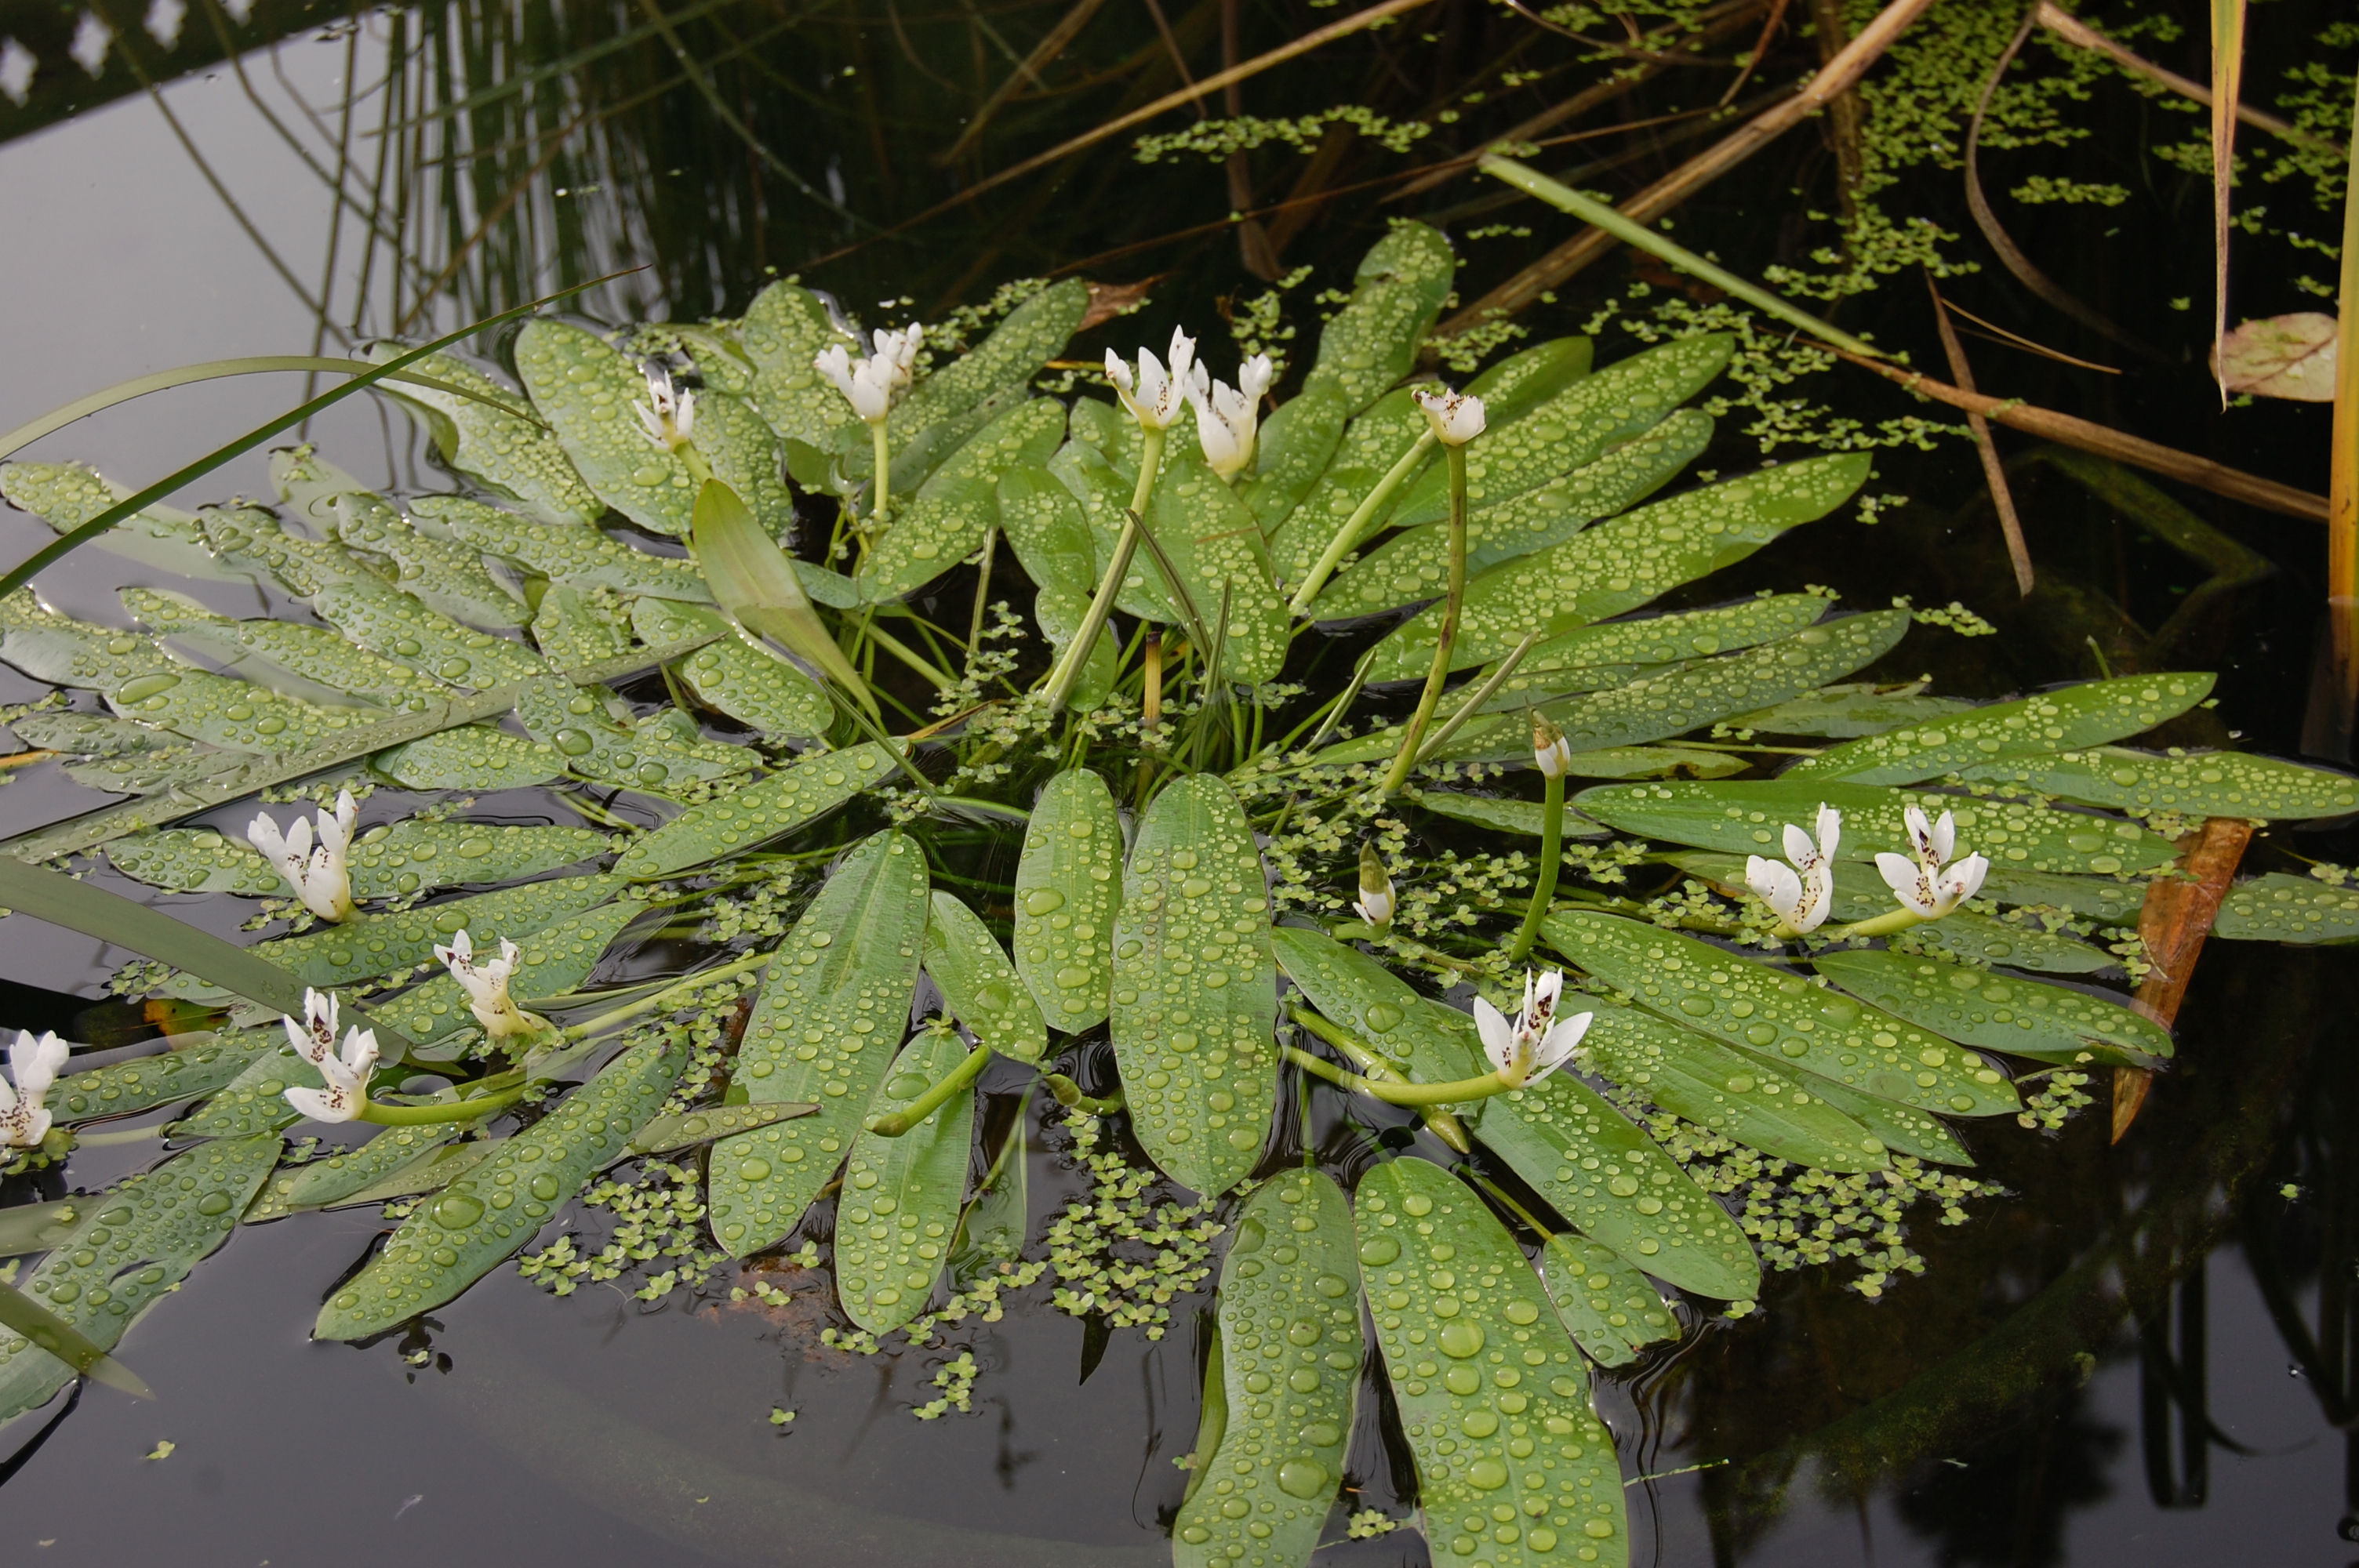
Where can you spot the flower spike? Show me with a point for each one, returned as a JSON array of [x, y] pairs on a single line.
[[1154, 395], [1537, 1043], [33, 1061], [1228, 419], [1801, 893], [669, 412], [875, 384], [1375, 904], [320, 877], [487, 985], [1923, 886], [1456, 417], [345, 1074]]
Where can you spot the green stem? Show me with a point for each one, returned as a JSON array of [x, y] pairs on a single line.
[[698, 469], [1443, 1125], [1348, 536], [1474, 705], [1552, 851], [907, 655], [1069, 1095], [656, 1003], [385, 1115], [925, 1104], [1489, 1084], [1068, 673], [1891, 924], [883, 490], [1435, 678]]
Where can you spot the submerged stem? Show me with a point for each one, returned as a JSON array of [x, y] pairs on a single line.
[[1348, 536], [384, 1115], [1411, 738], [1437, 1121], [1551, 853], [656, 1003], [1489, 1084], [1068, 672]]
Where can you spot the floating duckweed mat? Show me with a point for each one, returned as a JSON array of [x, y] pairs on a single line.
[[751, 922]]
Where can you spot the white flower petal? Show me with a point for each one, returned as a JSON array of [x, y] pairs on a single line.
[[1830, 830], [1498, 1034], [1800, 847], [325, 1105], [1909, 885], [1776, 884]]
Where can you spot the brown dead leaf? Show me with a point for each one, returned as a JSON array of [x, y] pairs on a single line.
[[1108, 300], [2281, 356]]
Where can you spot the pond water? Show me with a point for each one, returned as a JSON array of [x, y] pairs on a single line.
[[2140, 1354]]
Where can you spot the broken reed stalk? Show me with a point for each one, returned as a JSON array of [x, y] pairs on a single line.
[[2066, 430], [2172, 923], [2227, 89], [2018, 554], [1838, 77], [2073, 31], [2342, 483]]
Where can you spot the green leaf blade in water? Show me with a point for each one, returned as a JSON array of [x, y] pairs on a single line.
[[37, 1226], [1782, 1115], [1748, 1003], [784, 329], [1027, 340], [1398, 291], [562, 552], [1743, 818], [1624, 562], [731, 676], [1847, 712], [832, 1012], [901, 1195], [1289, 1316], [555, 960], [757, 587], [1477, 1360], [979, 983], [2207, 783], [200, 1066], [1378, 436], [2068, 719], [67, 495], [136, 1241], [512, 455], [1068, 890], [661, 750], [308, 661], [443, 573], [1604, 1303], [792, 798], [1215, 546], [1999, 1011], [998, 1218], [1292, 450], [495, 1208], [1195, 987], [950, 515], [2280, 907], [1048, 530], [470, 757], [320, 1184], [684, 1130], [1524, 816]]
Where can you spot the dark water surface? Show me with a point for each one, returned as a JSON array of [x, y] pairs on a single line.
[[2143, 1354]]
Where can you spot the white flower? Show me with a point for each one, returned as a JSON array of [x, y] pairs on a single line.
[[487, 985], [1154, 398], [1922, 886], [1551, 753], [1537, 1043], [875, 384], [346, 1075], [1456, 418], [1375, 904], [898, 352], [318, 876], [1228, 419], [669, 412], [33, 1062], [1803, 893]]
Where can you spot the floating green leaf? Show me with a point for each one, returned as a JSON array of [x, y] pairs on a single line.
[[1068, 889], [194, 860], [950, 515], [67, 653], [2000, 1011], [784, 329], [556, 958], [1010, 356], [446, 574], [197, 1066], [730, 674], [1501, 815], [1415, 565], [684, 1130], [1289, 1374], [497, 1207], [372, 944], [1398, 291], [38, 1226], [393, 625], [428, 1172], [255, 1101], [832, 1010], [662, 751], [981, 986], [322, 1183], [1745, 819], [583, 557], [793, 797], [235, 715], [1345, 984], [1195, 987], [472, 757], [67, 495], [1704, 988], [1717, 1087], [2282, 908], [1293, 448], [1622, 563], [308, 662], [401, 858], [2206, 783], [572, 628], [255, 542], [759, 589], [2059, 720], [1904, 1130], [993, 1229], [510, 454], [901, 1195], [1493, 1396], [1846, 712], [1216, 546], [137, 1242], [1380, 437], [1604, 1303]]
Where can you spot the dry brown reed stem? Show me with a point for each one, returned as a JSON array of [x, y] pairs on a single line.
[[2066, 430], [1054, 43], [1837, 77], [2172, 923], [1994, 471], [2073, 31]]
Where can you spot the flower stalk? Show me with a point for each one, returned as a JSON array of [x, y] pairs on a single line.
[[896, 1123], [1437, 1121], [1347, 537], [1456, 420], [1553, 757]]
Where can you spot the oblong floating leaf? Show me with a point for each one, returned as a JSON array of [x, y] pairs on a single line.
[[136, 1242], [793, 797], [1734, 1094], [896, 1220], [1849, 711], [1525, 816], [687, 1129], [1714, 991], [1999, 1011], [1195, 987], [833, 1009], [980, 984], [1292, 449], [1290, 1372], [784, 329], [304, 661], [2207, 783], [1622, 563], [67, 495], [497, 1206], [470, 756], [729, 673], [198, 1067], [1493, 1396], [946, 520], [320, 1184], [511, 454], [443, 573], [233, 714], [1398, 291], [392, 624], [1068, 889], [2061, 720], [1745, 818], [1604, 1303], [563, 553], [2282, 908]]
